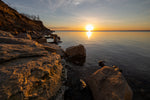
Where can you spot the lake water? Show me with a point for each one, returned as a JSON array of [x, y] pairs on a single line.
[[130, 51]]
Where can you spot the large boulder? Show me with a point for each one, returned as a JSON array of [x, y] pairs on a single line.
[[108, 83], [76, 54]]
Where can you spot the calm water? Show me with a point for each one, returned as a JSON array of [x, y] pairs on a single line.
[[130, 51]]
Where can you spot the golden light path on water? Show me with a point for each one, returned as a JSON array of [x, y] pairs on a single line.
[[89, 34]]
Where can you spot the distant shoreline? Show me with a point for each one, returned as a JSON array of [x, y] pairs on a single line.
[[103, 31]]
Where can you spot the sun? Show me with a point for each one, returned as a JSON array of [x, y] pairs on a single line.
[[89, 27]]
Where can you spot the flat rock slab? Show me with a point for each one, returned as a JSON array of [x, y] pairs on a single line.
[[13, 48]]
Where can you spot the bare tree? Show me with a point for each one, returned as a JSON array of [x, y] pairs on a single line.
[[32, 17]]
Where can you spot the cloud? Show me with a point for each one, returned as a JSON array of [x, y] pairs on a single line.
[[76, 3], [56, 4]]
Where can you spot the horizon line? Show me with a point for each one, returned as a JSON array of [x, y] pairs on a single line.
[[103, 30]]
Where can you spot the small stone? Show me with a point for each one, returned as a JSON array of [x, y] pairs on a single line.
[[83, 84], [101, 63], [121, 70], [114, 66], [116, 69]]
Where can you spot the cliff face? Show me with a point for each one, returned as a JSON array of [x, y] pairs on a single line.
[[12, 21]]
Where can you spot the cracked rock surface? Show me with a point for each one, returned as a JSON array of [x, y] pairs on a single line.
[[28, 71]]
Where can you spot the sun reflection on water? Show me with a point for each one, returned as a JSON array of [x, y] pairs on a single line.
[[89, 34]]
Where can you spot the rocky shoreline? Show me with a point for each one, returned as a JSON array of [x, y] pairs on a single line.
[[33, 71]]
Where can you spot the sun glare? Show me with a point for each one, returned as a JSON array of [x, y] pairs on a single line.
[[89, 27]]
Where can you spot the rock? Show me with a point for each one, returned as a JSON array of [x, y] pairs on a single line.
[[109, 84], [117, 69], [101, 63], [54, 48], [76, 54], [35, 35], [58, 38], [55, 37], [8, 40], [114, 66], [13, 48], [5, 34], [83, 84], [42, 40], [77, 88], [24, 36]]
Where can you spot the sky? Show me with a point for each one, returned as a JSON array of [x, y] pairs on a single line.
[[76, 14]]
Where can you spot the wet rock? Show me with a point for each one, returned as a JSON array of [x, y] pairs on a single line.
[[77, 88], [76, 54], [117, 68], [108, 83], [83, 84], [101, 63], [55, 37]]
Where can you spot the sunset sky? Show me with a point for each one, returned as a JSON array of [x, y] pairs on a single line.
[[76, 14]]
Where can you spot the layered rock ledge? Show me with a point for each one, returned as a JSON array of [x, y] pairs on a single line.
[[28, 71]]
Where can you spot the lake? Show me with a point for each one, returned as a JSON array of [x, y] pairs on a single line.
[[130, 51]]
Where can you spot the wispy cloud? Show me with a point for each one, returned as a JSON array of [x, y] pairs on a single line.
[[57, 4]]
